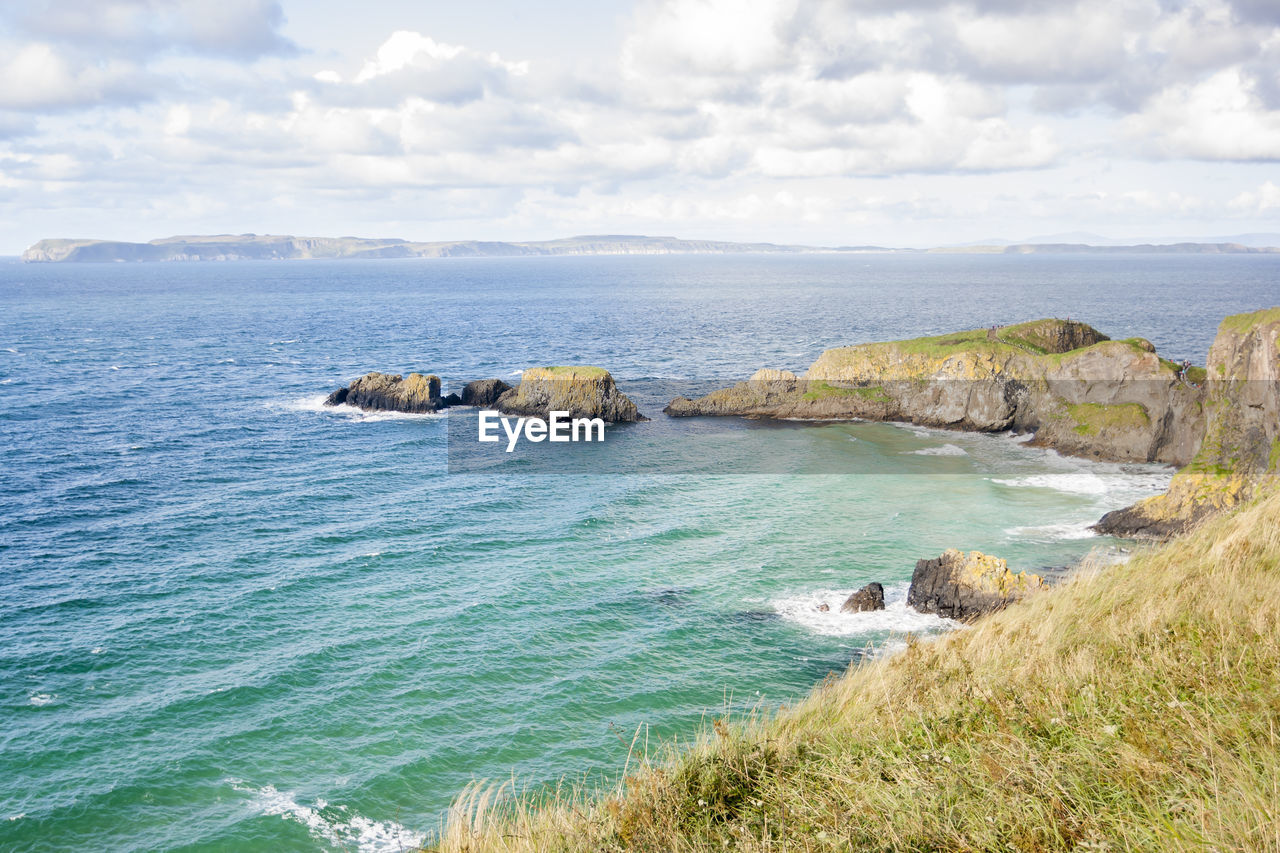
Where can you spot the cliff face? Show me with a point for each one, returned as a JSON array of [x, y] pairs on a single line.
[[587, 392], [1079, 391], [1239, 455]]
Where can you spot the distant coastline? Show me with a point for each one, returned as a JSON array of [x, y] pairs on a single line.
[[260, 247]]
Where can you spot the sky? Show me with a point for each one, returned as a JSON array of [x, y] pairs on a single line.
[[825, 122]]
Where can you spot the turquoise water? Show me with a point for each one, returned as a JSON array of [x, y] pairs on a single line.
[[231, 619]]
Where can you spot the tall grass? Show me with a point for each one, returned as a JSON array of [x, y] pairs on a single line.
[[1136, 707]]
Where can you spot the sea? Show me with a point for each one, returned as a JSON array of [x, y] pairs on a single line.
[[233, 618]]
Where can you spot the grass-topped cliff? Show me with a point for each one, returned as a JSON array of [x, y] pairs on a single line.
[[1239, 453], [1132, 708], [1076, 389]]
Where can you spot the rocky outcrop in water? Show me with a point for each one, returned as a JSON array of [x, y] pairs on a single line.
[[1239, 456], [965, 586], [870, 597], [484, 392], [583, 392], [1078, 391], [416, 393]]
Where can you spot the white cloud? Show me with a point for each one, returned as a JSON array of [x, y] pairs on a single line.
[[772, 114], [1219, 118], [1260, 202]]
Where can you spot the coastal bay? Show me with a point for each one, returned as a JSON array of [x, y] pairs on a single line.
[[292, 628]]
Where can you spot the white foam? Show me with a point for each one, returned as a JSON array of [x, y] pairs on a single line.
[[18, 816], [335, 825], [1076, 483], [96, 650], [316, 404], [516, 373], [42, 699], [12, 350], [1051, 532], [290, 341], [896, 618], [944, 450]]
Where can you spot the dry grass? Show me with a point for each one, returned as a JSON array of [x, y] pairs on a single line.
[[1134, 708]]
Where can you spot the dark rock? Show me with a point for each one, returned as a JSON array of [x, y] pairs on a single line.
[[337, 398], [870, 597], [450, 400], [964, 587], [484, 392]]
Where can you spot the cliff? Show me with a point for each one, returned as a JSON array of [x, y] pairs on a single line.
[[1078, 391], [1239, 456]]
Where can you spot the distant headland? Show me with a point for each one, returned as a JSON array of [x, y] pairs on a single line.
[[269, 247]]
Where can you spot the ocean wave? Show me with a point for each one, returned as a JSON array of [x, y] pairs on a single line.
[[896, 618], [1076, 483], [42, 699], [335, 825], [1051, 532], [315, 404], [944, 450]]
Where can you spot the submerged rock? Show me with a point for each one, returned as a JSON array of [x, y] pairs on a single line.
[[416, 393], [583, 392], [965, 586], [870, 597]]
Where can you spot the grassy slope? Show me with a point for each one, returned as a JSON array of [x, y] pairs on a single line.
[[1134, 708]]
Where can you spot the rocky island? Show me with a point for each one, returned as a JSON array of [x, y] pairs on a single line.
[[582, 391]]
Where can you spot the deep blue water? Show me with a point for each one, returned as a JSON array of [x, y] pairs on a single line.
[[232, 619]]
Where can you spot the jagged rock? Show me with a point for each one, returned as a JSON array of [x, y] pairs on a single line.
[[870, 597], [1239, 455], [965, 586], [416, 393], [824, 608], [581, 391], [450, 400], [484, 392]]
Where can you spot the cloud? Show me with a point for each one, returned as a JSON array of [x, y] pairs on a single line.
[[1220, 118], [242, 29], [766, 111], [1261, 201]]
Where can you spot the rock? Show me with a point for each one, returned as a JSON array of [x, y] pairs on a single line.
[[581, 391], [484, 392], [964, 587], [450, 400], [870, 597], [416, 393], [1238, 457], [824, 608]]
